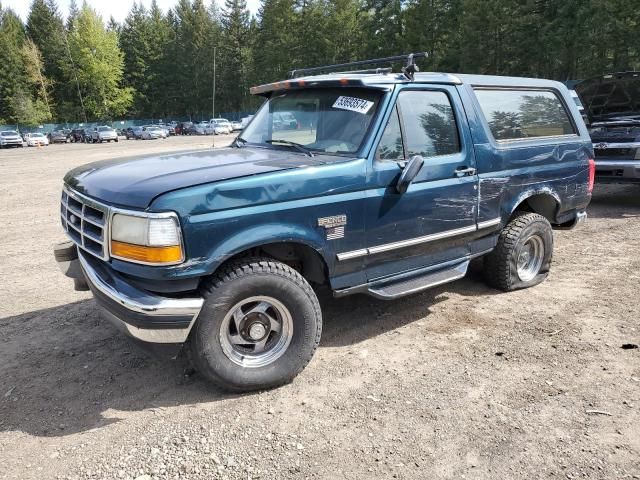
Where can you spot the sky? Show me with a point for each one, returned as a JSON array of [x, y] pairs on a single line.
[[106, 8]]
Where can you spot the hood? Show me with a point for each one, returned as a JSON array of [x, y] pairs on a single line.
[[611, 97], [135, 182]]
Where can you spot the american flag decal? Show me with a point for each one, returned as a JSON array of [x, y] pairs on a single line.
[[335, 233]]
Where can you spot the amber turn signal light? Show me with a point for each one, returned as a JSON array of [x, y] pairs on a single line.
[[141, 253]]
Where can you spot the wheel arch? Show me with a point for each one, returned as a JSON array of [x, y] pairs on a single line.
[[302, 250], [543, 201]]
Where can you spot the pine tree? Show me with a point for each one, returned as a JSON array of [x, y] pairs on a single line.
[[134, 41], [12, 74], [276, 40], [234, 53], [46, 29]]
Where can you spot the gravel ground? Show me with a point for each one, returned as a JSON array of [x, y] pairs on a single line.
[[459, 382]]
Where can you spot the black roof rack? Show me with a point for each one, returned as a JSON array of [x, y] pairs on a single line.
[[409, 69]]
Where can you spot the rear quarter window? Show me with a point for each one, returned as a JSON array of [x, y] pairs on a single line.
[[522, 114]]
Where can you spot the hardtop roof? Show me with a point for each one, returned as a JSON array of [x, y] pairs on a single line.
[[386, 80]]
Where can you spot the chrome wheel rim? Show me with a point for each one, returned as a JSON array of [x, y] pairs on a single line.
[[256, 332], [530, 257]]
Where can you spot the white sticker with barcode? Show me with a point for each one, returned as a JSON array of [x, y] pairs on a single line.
[[353, 104]]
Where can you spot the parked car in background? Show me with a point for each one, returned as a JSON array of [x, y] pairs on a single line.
[[87, 135], [403, 181], [221, 126], [133, 133], [37, 139], [612, 105], [58, 136], [152, 133], [284, 121], [171, 130], [188, 128], [104, 134], [76, 135], [204, 128], [236, 126], [10, 138], [245, 120], [163, 128]]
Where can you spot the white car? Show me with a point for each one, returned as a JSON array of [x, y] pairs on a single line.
[[245, 120], [37, 139], [204, 128], [152, 133], [221, 126], [236, 126]]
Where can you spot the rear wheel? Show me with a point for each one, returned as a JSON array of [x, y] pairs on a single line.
[[259, 326], [522, 257]]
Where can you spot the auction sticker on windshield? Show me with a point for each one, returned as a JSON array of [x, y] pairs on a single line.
[[353, 104]]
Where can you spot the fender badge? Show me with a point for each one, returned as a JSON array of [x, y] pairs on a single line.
[[334, 226]]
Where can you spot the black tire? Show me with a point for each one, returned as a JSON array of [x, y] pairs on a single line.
[[117, 140], [239, 281], [501, 265]]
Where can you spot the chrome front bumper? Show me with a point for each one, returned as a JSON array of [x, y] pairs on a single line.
[[143, 315], [617, 170]]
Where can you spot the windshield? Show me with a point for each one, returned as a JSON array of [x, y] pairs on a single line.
[[104, 129], [9, 134], [331, 120], [37, 135]]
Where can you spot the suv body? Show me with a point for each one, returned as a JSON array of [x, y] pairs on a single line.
[[10, 138], [612, 104], [389, 186]]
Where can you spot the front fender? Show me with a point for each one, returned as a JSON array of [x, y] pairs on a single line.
[[246, 239]]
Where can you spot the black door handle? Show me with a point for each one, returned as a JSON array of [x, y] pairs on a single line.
[[465, 171]]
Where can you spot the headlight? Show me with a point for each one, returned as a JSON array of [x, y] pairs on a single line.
[[149, 240]]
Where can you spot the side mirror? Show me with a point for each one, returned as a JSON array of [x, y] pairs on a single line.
[[409, 173]]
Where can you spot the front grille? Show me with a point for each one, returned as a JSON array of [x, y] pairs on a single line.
[[627, 153], [85, 222]]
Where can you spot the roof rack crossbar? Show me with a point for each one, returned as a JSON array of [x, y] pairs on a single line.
[[408, 69]]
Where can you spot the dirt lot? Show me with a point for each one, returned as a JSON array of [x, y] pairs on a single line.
[[458, 382]]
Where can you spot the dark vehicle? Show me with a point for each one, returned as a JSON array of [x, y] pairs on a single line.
[[133, 133], [10, 138], [612, 104], [59, 136], [76, 135], [188, 128], [396, 183]]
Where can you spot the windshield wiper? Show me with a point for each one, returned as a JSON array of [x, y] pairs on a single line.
[[297, 146], [239, 141]]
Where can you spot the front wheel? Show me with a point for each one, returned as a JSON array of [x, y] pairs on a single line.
[[259, 326], [522, 257]]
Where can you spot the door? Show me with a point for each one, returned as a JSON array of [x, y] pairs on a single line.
[[435, 219]]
